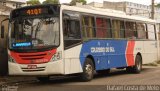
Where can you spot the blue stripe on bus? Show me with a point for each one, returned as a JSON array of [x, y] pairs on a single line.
[[106, 53]]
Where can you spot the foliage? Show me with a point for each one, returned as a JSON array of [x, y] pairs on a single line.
[[51, 2], [73, 2], [158, 5], [33, 2]]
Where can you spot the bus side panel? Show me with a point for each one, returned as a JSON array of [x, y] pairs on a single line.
[[118, 57], [150, 49], [72, 61], [108, 53], [138, 49]]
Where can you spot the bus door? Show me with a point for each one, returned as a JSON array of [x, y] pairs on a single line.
[[72, 42]]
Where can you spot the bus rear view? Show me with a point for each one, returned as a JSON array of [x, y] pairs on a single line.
[[34, 41]]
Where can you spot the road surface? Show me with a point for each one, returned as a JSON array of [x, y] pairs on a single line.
[[150, 76]]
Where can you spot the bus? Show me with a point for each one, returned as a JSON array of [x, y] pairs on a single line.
[[47, 40]]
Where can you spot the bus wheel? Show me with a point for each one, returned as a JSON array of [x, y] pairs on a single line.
[[88, 70], [43, 79], [103, 72], [137, 67]]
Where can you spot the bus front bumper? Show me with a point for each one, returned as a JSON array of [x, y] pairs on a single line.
[[50, 68]]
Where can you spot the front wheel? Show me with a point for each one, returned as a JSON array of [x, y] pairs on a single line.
[[137, 67], [88, 70]]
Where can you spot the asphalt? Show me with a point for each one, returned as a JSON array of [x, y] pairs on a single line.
[[148, 76]]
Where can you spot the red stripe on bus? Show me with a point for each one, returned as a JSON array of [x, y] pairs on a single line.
[[129, 53]]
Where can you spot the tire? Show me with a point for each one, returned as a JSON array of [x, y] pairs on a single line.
[[43, 79], [88, 70], [137, 67], [103, 72]]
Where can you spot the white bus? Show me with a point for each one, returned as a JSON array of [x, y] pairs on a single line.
[[46, 40]]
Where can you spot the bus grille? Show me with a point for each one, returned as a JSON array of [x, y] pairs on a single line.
[[32, 56], [31, 70]]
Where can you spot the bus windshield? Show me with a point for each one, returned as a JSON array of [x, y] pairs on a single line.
[[34, 33]]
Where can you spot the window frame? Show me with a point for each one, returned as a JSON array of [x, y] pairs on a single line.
[[124, 20], [92, 27], [71, 19], [154, 31], [146, 34]]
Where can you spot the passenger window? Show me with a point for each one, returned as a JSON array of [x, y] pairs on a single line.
[[122, 29], [71, 31], [141, 30], [88, 27], [103, 28], [118, 29], [115, 28], [130, 31], [151, 32]]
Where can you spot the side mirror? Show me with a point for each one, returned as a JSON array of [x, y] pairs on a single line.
[[2, 31], [2, 27]]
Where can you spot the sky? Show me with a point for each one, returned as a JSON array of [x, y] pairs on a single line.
[[145, 2]]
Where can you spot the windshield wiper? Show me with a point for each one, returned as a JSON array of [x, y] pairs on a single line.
[[55, 38], [39, 25]]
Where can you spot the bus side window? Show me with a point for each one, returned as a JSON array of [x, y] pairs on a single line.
[[151, 32], [103, 27], [130, 31], [71, 29], [122, 29], [71, 32], [141, 30], [88, 26], [118, 29]]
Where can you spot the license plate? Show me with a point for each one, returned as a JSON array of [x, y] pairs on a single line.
[[32, 66]]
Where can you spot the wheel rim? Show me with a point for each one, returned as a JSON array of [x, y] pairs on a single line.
[[89, 69], [139, 65]]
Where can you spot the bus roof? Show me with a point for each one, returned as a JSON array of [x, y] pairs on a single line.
[[106, 12], [99, 11]]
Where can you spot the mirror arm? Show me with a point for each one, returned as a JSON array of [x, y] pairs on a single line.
[[4, 20]]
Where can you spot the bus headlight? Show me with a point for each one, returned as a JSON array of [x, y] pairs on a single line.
[[11, 59], [57, 56]]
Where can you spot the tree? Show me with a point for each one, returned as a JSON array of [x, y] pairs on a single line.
[[33, 2], [51, 2], [158, 5], [73, 2]]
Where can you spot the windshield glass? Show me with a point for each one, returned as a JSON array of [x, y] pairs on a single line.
[[34, 33]]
